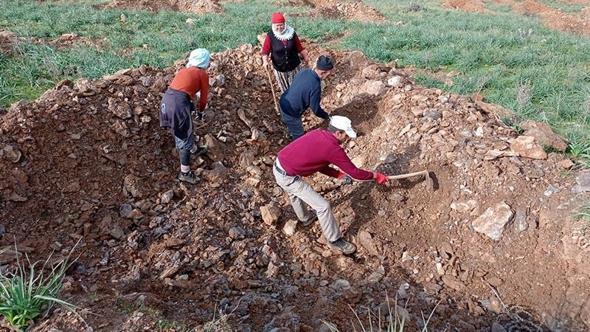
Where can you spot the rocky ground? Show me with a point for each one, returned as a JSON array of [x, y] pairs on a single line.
[[494, 244]]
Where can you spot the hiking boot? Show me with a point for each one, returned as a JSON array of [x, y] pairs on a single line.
[[198, 150], [309, 221], [188, 177], [344, 246]]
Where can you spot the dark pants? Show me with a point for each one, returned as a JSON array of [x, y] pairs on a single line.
[[175, 113], [294, 125]]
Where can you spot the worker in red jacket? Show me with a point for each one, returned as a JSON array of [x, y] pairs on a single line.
[[283, 47], [177, 107], [311, 153]]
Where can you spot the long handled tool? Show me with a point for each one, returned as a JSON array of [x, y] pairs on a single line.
[[274, 96], [425, 173]]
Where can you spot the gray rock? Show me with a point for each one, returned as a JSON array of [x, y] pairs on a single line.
[[117, 232], [520, 220], [237, 233], [167, 197], [125, 210], [582, 183], [377, 275], [366, 241], [289, 228], [496, 327], [493, 220], [395, 81]]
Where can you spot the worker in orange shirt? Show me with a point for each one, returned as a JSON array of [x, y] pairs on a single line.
[[177, 107]]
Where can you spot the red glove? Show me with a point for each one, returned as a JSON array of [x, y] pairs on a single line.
[[346, 179], [380, 178]]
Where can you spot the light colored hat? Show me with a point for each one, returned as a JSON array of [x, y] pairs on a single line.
[[343, 123], [199, 58]]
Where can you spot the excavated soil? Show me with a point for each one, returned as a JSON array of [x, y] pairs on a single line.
[[355, 10], [578, 23], [192, 6], [87, 161]]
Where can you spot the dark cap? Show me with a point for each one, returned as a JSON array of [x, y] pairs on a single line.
[[324, 63]]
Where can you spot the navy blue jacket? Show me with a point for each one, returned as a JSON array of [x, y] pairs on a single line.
[[305, 91]]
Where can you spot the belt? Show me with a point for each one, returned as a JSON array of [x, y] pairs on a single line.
[[279, 169]]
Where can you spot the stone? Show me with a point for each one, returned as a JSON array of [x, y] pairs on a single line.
[[520, 220], [125, 210], [12, 154], [566, 164], [453, 282], [525, 146], [73, 187], [270, 214], [216, 176], [497, 327], [131, 186], [117, 232], [467, 206], [582, 182], [215, 149], [377, 275], [289, 228], [373, 87], [544, 135], [167, 197], [492, 221], [395, 81], [237, 233], [340, 284], [366, 241]]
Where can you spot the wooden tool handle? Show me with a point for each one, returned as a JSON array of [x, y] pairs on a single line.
[[408, 175]]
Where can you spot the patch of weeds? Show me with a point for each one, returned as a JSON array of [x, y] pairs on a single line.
[[584, 213], [514, 123], [220, 324], [579, 149], [394, 320], [28, 292]]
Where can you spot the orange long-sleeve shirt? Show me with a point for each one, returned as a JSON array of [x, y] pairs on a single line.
[[190, 81]]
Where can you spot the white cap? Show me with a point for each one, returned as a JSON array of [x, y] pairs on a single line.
[[199, 58], [343, 123]]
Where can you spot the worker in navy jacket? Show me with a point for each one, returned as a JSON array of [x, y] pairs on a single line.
[[305, 92]]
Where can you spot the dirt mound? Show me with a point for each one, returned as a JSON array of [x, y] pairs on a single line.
[[470, 6], [355, 10], [8, 42], [193, 6], [88, 160]]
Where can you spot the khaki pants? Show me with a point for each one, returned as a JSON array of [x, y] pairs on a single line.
[[302, 195]]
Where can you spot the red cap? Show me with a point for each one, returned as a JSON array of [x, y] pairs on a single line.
[[277, 18]]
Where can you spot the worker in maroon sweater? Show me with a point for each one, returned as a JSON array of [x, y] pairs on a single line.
[[177, 107], [314, 152]]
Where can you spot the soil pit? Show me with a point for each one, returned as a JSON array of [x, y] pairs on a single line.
[[88, 161]]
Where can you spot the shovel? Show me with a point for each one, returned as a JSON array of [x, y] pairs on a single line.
[[425, 173]]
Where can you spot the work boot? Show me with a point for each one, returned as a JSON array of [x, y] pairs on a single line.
[[309, 221], [188, 177], [344, 246]]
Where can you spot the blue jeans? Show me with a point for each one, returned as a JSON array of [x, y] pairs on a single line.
[[184, 149], [294, 125]]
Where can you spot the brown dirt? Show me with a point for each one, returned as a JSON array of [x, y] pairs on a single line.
[[8, 42], [477, 6], [355, 10], [88, 160], [193, 6], [578, 23]]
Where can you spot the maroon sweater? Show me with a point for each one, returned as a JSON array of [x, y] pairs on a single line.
[[314, 152]]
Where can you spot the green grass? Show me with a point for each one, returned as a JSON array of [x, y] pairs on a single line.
[[564, 6], [29, 292], [513, 60]]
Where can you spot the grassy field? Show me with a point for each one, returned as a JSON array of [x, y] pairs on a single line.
[[513, 60]]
